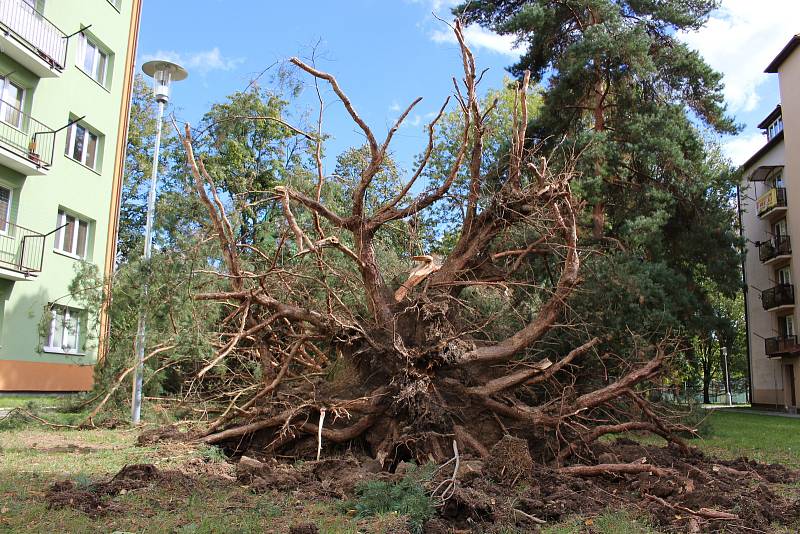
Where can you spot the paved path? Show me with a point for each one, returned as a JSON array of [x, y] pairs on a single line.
[[758, 412]]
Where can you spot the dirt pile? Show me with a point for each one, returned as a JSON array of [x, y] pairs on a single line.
[[96, 498], [678, 491]]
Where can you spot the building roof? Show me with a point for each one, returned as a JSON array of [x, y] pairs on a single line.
[[763, 150], [774, 114], [793, 43]]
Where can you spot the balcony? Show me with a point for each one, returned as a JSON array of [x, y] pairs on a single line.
[[21, 252], [774, 250], [778, 297], [772, 202], [781, 346], [26, 145], [32, 40]]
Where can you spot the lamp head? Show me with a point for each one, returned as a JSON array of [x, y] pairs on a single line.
[[163, 73]]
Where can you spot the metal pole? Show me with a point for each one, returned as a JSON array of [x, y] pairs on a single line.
[[136, 403], [727, 376]]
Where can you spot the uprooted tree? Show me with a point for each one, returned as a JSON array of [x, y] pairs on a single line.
[[326, 340]]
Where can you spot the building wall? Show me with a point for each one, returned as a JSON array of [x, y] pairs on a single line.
[[789, 83], [766, 374], [769, 376], [92, 193]]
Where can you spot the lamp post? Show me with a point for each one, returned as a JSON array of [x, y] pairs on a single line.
[[724, 351], [163, 74]]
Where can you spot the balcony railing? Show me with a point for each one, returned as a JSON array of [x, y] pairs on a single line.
[[780, 345], [774, 198], [780, 295], [31, 29], [21, 250], [25, 136], [779, 246]]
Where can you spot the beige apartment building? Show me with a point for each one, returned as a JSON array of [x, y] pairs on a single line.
[[769, 194]]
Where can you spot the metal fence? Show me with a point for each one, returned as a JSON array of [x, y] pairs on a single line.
[[35, 32], [21, 250], [25, 136], [779, 295]]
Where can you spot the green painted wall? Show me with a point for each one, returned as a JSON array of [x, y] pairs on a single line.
[[68, 184]]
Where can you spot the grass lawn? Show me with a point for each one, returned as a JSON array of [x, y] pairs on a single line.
[[32, 458], [31, 401], [769, 439]]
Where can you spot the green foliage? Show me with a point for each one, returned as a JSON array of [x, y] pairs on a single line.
[[639, 107], [406, 497]]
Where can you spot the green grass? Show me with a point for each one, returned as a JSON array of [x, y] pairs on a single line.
[[609, 522], [31, 401], [769, 439], [33, 458]]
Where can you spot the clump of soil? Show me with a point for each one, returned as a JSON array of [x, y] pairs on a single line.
[[509, 459], [96, 498]]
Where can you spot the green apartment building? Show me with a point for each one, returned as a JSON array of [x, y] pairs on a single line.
[[66, 70]]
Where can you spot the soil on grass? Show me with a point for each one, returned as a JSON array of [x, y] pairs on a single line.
[[507, 489]]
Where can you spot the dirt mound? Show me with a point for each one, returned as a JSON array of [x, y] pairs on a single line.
[[96, 498]]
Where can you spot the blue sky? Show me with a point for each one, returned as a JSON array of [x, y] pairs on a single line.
[[385, 53]]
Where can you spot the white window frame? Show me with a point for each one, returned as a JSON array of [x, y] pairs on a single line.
[[54, 323], [5, 220], [58, 242], [87, 43], [87, 134]]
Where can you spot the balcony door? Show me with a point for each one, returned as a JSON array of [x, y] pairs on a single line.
[[779, 229], [12, 97], [776, 180], [784, 276], [786, 326]]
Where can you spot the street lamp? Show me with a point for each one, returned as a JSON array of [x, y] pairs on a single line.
[[163, 73], [724, 351]]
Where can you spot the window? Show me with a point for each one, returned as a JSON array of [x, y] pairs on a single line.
[[12, 97], [5, 208], [82, 145], [65, 330], [72, 236], [92, 59], [775, 128]]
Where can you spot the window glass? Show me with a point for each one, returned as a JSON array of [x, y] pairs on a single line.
[[80, 244], [5, 208], [91, 150], [77, 149]]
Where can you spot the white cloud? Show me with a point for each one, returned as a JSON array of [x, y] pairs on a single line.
[[481, 38], [741, 147], [740, 39], [203, 62], [395, 107]]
